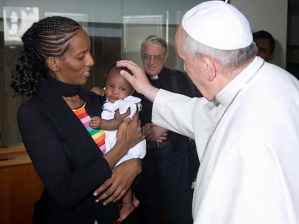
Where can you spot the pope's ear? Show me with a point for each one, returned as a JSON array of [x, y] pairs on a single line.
[[53, 64], [209, 68]]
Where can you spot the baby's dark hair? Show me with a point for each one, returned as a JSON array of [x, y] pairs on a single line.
[[47, 38], [113, 67]]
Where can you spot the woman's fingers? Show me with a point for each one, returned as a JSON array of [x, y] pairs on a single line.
[[117, 186], [112, 191], [121, 195], [117, 194], [103, 187]]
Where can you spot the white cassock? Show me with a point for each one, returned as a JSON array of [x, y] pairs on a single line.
[[250, 168]]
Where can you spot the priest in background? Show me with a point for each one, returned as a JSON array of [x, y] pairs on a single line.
[[265, 44]]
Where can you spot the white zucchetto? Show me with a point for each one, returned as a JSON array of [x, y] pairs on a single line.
[[218, 25]]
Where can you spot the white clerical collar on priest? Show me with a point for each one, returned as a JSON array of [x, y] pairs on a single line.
[[153, 77], [226, 95]]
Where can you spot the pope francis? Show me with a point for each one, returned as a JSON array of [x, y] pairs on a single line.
[[246, 127]]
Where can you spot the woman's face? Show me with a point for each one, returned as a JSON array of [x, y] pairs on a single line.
[[75, 63]]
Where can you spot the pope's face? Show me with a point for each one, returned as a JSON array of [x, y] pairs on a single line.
[[153, 58], [194, 67]]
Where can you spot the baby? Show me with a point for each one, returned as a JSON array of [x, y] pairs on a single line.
[[119, 105]]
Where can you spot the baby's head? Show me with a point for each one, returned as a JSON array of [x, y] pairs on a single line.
[[117, 87]]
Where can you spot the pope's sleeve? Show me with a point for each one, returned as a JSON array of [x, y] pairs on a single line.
[[175, 112]]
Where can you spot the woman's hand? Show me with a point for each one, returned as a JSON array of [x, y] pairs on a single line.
[[128, 135], [117, 186], [129, 132]]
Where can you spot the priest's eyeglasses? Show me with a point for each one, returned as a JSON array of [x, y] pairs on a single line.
[[156, 58]]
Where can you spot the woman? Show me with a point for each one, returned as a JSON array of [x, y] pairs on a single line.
[[65, 152]]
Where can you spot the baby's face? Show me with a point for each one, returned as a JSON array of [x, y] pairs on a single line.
[[117, 87]]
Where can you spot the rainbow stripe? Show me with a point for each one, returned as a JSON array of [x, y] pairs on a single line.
[[98, 135]]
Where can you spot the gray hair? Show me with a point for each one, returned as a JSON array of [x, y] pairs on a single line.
[[155, 39], [228, 59]]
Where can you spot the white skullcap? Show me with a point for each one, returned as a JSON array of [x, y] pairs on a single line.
[[218, 25]]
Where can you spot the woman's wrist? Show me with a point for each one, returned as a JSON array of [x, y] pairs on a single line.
[[122, 146], [119, 150], [138, 166]]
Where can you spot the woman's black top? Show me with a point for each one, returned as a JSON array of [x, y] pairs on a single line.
[[66, 158]]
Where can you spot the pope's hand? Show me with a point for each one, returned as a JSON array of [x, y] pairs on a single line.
[[138, 80]]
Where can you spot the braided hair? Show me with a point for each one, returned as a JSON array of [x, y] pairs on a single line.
[[47, 38]]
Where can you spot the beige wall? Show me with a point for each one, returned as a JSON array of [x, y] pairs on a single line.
[[269, 15]]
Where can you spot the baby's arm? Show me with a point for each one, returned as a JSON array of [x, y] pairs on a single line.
[[109, 125], [95, 122]]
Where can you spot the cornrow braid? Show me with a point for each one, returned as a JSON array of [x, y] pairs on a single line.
[[47, 38]]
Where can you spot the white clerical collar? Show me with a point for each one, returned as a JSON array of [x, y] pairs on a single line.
[[227, 94], [153, 77]]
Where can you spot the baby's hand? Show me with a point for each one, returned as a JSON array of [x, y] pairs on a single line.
[[98, 90], [95, 122]]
